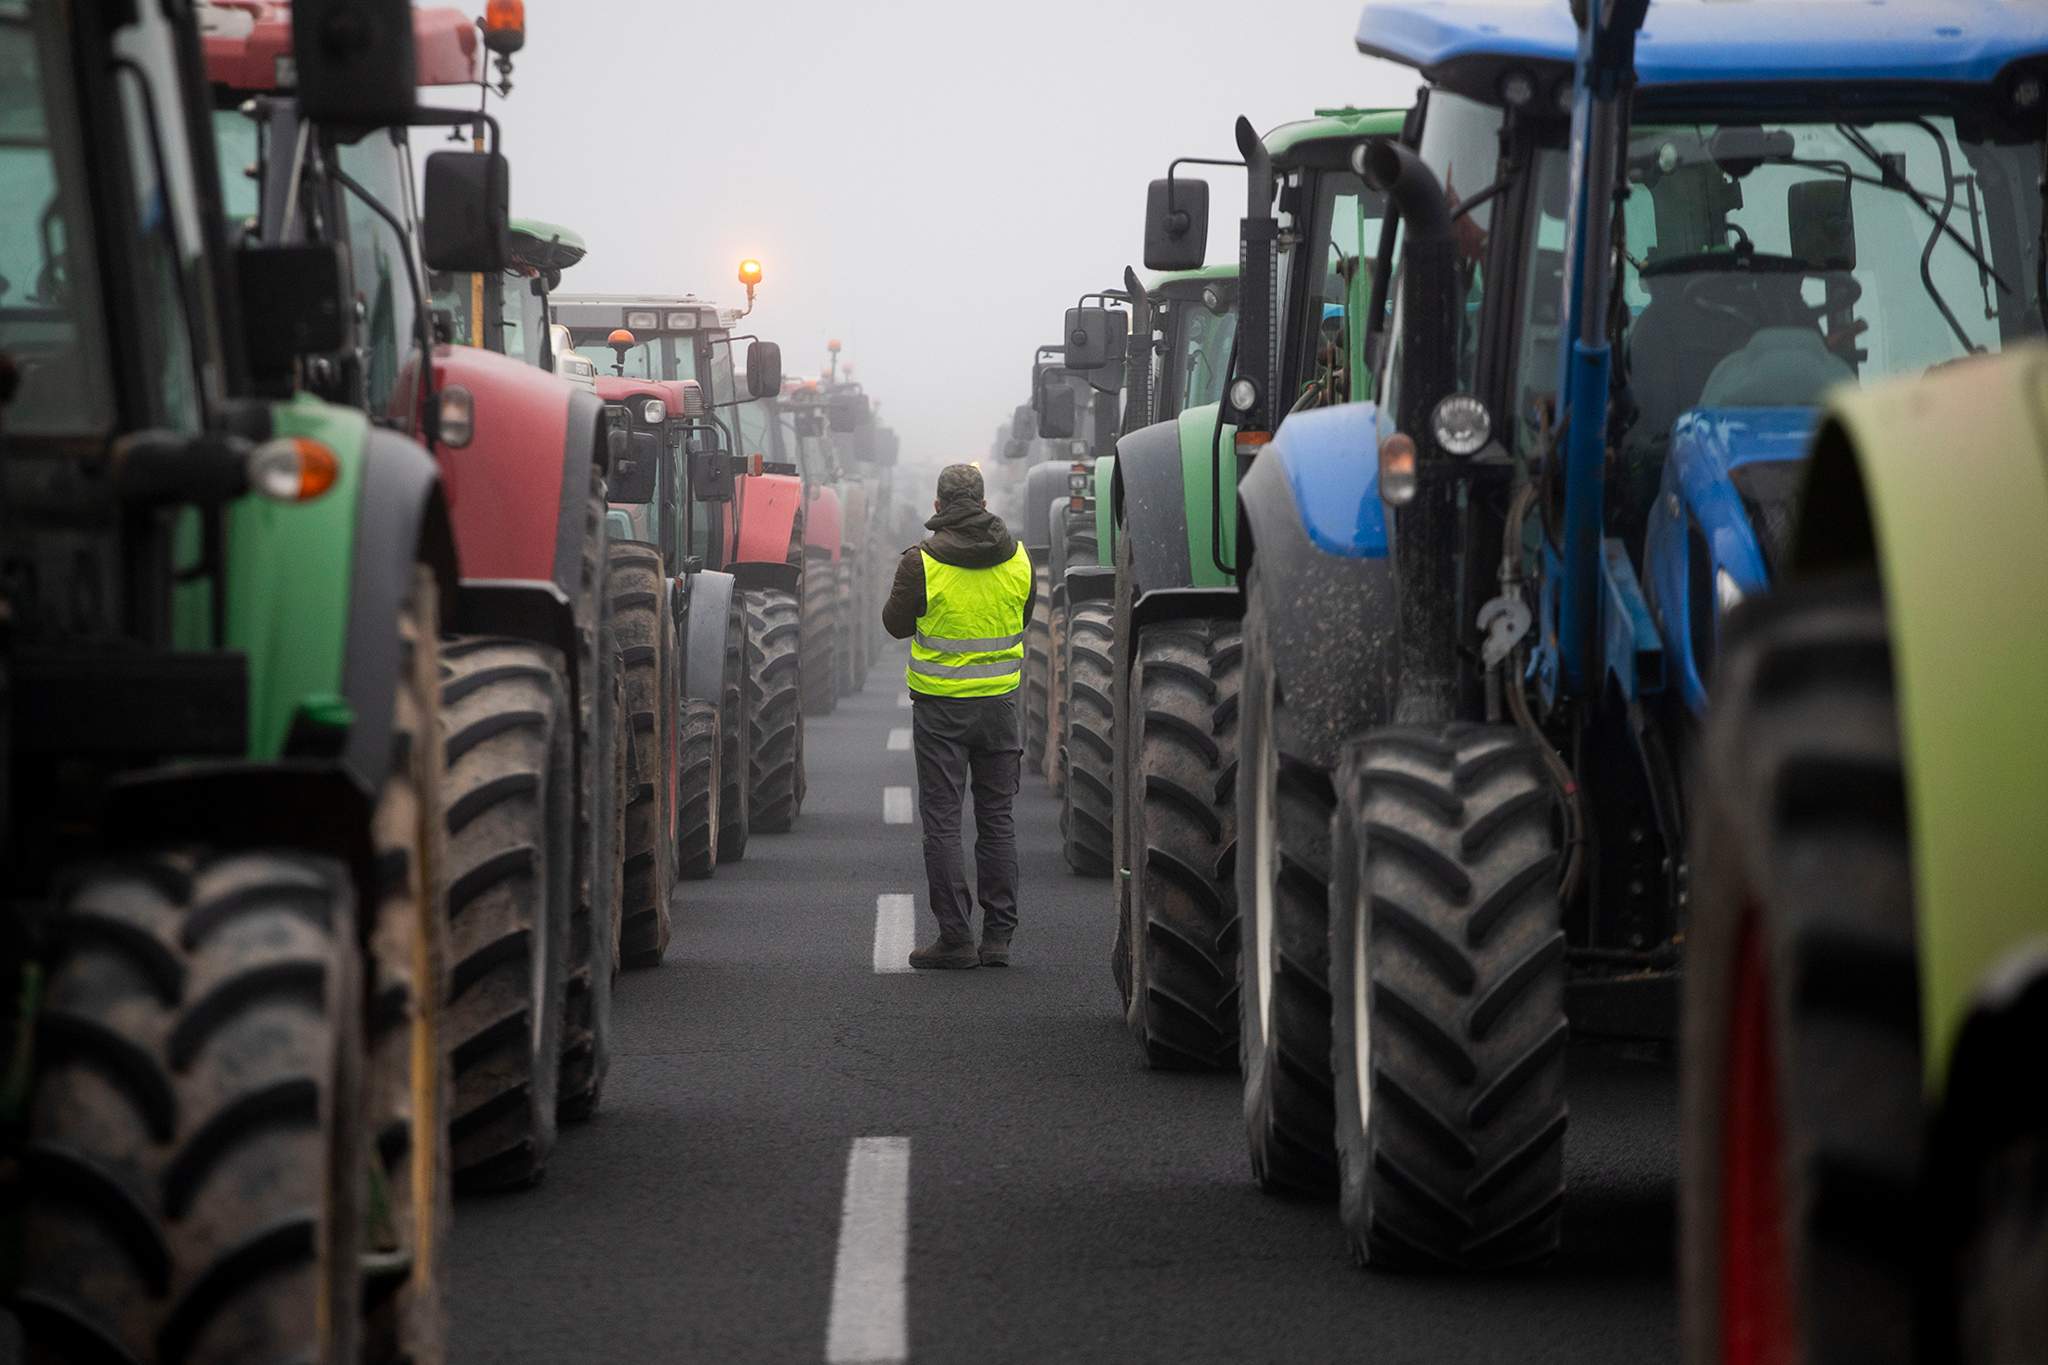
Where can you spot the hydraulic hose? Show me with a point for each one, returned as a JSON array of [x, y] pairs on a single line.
[[1569, 795]]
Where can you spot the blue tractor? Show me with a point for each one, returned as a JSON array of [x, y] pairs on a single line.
[[1629, 253]]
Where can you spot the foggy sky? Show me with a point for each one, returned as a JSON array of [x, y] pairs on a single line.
[[930, 182]]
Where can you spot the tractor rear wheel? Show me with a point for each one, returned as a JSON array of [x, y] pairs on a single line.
[[646, 636], [1056, 703], [1087, 809], [818, 646], [509, 812], [1037, 669], [1801, 1100], [1447, 975], [1181, 756], [698, 791], [198, 1137], [1284, 805], [735, 724], [775, 744]]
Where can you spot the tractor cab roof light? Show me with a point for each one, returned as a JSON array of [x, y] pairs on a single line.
[[504, 25]]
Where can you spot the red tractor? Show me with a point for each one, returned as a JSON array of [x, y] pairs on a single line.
[[745, 517], [791, 435], [531, 673]]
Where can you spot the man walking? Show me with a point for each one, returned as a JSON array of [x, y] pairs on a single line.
[[962, 596]]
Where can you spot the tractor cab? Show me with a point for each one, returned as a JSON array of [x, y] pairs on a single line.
[[1194, 316], [508, 312]]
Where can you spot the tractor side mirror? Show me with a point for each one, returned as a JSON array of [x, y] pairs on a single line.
[[711, 476], [764, 369], [1087, 338], [1822, 219], [1176, 224], [1057, 418], [1021, 420], [844, 411], [291, 303], [355, 61], [468, 227], [1014, 449], [635, 466], [1109, 378]]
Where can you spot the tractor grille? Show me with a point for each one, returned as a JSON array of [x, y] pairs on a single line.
[[1770, 494]]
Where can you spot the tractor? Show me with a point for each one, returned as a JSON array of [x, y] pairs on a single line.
[[1620, 280], [224, 848], [1867, 961], [1178, 593], [744, 520], [793, 438], [533, 807], [1178, 346]]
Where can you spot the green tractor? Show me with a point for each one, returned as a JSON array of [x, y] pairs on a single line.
[[226, 1102], [1866, 1000], [1180, 652], [1181, 327]]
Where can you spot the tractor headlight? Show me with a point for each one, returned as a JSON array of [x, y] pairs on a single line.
[[1728, 593], [1244, 395], [1461, 425], [654, 412], [458, 416]]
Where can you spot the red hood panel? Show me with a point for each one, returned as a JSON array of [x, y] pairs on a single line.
[[505, 488]]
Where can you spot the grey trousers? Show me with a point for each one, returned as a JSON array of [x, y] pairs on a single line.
[[963, 744]]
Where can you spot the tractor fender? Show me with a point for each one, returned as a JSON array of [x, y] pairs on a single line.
[[1961, 547], [765, 508], [1090, 583], [1149, 509], [779, 575], [525, 609], [707, 611], [1185, 604], [1044, 482], [1105, 510], [1986, 1102], [401, 520], [517, 492], [1325, 586], [822, 524]]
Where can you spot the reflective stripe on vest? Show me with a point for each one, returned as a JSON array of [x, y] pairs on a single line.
[[970, 640]]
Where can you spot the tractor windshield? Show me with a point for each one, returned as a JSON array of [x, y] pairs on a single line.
[[1344, 229], [49, 313], [1200, 327], [650, 357]]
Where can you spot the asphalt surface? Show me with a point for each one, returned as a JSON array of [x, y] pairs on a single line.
[[1064, 1204]]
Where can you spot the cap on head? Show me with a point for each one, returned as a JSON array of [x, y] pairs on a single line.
[[959, 483]]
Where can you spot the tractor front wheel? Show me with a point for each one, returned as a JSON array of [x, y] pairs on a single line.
[[1088, 805], [647, 651], [697, 823], [774, 678]]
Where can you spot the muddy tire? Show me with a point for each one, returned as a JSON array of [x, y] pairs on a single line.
[[408, 1094], [1056, 705], [1801, 1101], [1284, 807], [509, 813], [1037, 670], [647, 653], [844, 654], [735, 724], [775, 744], [1181, 756], [1088, 805], [197, 1144], [1447, 975], [698, 791], [818, 644]]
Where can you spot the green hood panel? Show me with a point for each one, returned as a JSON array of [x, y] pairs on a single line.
[[289, 567], [1199, 481]]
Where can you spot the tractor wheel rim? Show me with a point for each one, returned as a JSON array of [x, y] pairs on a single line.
[[1266, 771], [1756, 1289]]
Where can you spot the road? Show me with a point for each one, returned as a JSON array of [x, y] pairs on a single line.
[[1029, 1192]]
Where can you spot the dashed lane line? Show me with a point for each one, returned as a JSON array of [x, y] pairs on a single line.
[[895, 931], [868, 1322], [895, 805], [899, 739]]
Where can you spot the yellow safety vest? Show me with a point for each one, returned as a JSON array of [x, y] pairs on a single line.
[[970, 640]]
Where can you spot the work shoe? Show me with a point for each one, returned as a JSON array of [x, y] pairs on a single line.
[[944, 956], [995, 952]]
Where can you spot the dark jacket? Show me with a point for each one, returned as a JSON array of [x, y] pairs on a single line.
[[968, 536]]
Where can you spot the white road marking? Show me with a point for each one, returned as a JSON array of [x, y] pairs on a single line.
[[899, 739], [902, 701], [895, 931], [896, 805], [868, 1326]]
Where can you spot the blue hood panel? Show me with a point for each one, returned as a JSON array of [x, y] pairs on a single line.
[[1331, 456]]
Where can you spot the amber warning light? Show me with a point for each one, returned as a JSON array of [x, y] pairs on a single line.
[[505, 26]]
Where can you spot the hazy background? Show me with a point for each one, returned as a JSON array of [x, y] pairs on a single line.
[[930, 182]]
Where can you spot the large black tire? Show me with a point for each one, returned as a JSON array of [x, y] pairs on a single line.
[[601, 748], [1056, 704], [1801, 1103], [1284, 804], [197, 1139], [845, 655], [1180, 757], [1037, 668], [1447, 975], [735, 725], [408, 963], [818, 643], [647, 650], [1088, 805], [861, 625], [510, 811], [698, 791], [775, 747]]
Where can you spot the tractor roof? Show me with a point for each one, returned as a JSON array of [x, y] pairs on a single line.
[[1286, 143], [545, 246], [1467, 47], [638, 312], [249, 45], [1159, 281]]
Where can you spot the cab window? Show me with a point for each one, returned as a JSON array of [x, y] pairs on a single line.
[[386, 310]]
